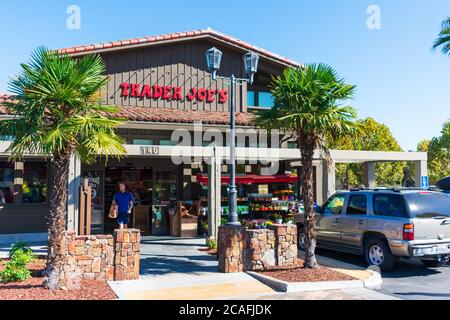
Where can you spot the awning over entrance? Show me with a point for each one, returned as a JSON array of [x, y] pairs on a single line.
[[252, 179]]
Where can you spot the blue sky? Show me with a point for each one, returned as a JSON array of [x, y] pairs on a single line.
[[400, 81]]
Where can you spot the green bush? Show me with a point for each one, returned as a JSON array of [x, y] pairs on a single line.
[[16, 268], [211, 243]]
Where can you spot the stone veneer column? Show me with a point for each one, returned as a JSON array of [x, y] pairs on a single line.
[[231, 244], [240, 249], [286, 250], [127, 254]]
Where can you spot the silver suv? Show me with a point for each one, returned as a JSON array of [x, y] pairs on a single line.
[[384, 225]]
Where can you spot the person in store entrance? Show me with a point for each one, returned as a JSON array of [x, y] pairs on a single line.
[[123, 200]]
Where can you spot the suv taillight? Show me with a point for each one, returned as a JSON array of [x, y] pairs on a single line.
[[408, 232]]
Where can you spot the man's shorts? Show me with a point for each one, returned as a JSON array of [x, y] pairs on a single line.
[[123, 218]]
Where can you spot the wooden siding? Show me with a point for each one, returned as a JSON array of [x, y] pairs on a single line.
[[176, 64]]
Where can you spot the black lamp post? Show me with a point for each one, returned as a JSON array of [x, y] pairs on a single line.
[[213, 60]]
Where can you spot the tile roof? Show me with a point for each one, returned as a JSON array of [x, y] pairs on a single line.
[[178, 35], [164, 115]]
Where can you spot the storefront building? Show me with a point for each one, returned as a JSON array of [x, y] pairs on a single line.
[[164, 89]]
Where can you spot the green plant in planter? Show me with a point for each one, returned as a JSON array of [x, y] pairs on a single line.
[[15, 269], [211, 243]]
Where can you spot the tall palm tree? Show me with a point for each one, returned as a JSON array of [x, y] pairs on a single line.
[[443, 40], [57, 113], [307, 106]]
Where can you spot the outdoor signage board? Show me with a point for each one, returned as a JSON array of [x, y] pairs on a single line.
[[156, 92]]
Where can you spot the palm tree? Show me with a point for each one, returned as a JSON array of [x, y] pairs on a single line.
[[57, 113], [307, 107], [443, 40]]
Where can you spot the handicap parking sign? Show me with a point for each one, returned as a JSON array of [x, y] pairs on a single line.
[[424, 182]]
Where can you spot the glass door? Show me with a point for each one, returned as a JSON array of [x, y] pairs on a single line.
[[165, 197]]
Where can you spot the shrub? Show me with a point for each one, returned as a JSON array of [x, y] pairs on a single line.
[[15, 269], [211, 243]]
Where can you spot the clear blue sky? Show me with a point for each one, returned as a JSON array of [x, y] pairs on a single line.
[[401, 82]]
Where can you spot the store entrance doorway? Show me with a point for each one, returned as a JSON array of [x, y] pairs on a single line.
[[164, 201], [154, 191]]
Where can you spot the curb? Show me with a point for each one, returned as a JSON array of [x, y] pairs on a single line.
[[279, 285]]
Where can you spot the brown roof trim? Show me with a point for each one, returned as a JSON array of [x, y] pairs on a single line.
[[178, 36]]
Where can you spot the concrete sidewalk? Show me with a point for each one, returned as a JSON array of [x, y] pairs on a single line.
[[175, 269]]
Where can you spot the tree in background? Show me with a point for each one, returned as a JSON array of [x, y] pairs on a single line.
[[443, 40], [57, 112], [372, 136], [438, 150]]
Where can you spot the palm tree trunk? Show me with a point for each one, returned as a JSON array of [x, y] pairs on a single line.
[[307, 146], [57, 223]]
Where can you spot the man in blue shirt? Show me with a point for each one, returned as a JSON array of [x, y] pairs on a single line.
[[123, 200]]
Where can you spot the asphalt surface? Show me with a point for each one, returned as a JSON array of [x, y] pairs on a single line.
[[409, 279]]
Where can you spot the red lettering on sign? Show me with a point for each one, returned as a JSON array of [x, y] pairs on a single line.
[[135, 90], [146, 91], [173, 93], [223, 96], [167, 90], [157, 92], [201, 94], [211, 96], [125, 87], [192, 94], [177, 93]]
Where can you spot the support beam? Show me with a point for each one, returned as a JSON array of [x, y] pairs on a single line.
[[420, 170], [319, 184], [369, 174], [329, 180], [214, 194], [74, 193]]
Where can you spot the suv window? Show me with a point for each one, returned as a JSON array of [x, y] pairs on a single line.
[[428, 205], [357, 204], [334, 205], [389, 205]]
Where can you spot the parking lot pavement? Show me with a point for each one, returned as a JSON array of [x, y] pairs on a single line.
[[409, 279]]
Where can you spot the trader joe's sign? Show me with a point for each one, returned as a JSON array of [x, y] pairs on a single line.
[[172, 93]]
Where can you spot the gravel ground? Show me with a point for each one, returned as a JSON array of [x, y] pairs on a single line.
[[32, 289], [300, 274]]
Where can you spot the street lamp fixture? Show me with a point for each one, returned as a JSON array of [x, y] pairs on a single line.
[[213, 60], [251, 61]]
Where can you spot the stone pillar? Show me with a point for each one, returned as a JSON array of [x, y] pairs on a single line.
[[127, 254], [214, 195], [329, 180], [231, 244], [241, 249], [369, 175], [420, 170], [74, 193], [286, 250]]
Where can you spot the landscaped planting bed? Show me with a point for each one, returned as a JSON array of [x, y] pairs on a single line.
[[300, 274], [32, 288]]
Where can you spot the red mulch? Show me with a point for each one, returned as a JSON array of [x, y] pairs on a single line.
[[32, 289], [300, 274]]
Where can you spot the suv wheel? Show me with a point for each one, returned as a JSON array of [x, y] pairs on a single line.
[[377, 253], [301, 237], [432, 263]]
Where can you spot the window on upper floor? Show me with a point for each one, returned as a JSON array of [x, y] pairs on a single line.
[[260, 99]]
